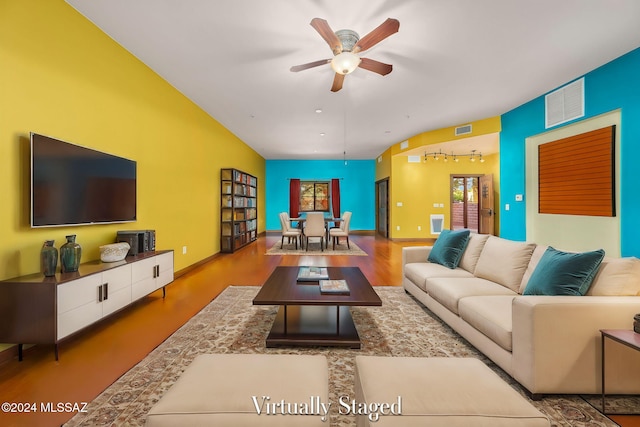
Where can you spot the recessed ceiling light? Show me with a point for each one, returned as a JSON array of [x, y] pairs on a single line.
[[318, 110], [322, 133]]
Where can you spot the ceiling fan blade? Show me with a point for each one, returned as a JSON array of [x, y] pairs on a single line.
[[375, 66], [337, 82], [384, 30], [323, 28], [308, 65]]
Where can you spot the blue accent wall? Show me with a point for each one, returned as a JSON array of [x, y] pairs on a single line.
[[357, 187], [615, 85]]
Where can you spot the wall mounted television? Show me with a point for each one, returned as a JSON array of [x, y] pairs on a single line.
[[74, 185]]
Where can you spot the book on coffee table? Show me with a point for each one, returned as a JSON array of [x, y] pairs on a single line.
[[334, 287], [312, 274]]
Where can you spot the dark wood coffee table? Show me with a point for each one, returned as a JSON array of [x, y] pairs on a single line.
[[308, 318]]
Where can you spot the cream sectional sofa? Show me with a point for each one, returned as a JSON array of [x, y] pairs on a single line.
[[549, 344]]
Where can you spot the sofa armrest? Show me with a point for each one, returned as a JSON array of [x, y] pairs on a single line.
[[415, 254], [557, 343]]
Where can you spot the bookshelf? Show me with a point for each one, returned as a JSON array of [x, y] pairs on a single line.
[[238, 209]]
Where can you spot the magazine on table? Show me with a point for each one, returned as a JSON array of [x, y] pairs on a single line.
[[312, 274], [334, 287]]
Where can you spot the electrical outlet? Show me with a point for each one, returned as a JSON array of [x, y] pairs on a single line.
[[397, 228], [419, 228], [184, 250], [506, 206]]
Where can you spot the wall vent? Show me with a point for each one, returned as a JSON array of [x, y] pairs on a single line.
[[404, 145], [437, 223], [564, 104], [413, 159], [463, 130]]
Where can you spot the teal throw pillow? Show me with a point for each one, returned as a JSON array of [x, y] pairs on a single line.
[[564, 273], [448, 248]]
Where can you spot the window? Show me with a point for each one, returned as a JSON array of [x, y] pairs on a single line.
[[314, 196]]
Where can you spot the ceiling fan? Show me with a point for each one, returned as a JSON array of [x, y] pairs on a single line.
[[346, 45]]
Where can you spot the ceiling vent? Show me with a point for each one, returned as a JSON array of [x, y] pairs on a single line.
[[564, 104], [463, 130]]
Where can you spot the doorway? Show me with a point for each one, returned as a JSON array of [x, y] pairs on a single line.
[[464, 202], [382, 207], [472, 203]]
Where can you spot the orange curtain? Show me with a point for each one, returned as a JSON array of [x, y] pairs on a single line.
[[294, 197], [335, 197]]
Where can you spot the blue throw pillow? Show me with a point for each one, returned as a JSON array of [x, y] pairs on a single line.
[[448, 248], [564, 273]]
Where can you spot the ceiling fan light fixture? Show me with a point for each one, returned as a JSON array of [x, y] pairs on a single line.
[[345, 63]]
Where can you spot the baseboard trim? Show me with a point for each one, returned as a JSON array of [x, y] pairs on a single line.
[[413, 239], [192, 267]]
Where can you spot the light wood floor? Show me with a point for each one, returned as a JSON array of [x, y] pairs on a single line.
[[94, 359]]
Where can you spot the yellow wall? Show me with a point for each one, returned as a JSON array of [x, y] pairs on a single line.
[[63, 77], [417, 186]]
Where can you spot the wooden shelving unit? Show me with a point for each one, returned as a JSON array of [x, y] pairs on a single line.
[[238, 209]]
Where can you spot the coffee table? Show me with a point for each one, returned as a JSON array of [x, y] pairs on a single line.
[[308, 318]]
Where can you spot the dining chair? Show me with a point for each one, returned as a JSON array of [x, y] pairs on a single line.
[[314, 227], [342, 231], [288, 231]]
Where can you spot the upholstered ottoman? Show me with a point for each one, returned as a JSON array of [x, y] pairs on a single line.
[[247, 390], [438, 391]]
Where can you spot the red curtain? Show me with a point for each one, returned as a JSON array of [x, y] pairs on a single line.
[[294, 197], [335, 197]]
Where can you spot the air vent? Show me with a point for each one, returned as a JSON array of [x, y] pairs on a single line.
[[564, 104], [404, 145], [414, 159], [463, 130], [437, 223]]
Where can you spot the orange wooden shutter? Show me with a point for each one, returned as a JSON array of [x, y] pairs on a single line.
[[576, 175]]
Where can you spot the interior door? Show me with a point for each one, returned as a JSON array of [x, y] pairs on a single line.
[[382, 207], [487, 208]]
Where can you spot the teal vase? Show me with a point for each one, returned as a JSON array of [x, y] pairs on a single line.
[[48, 258], [70, 254]]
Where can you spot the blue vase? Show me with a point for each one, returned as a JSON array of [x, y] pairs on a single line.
[[48, 258], [70, 254]]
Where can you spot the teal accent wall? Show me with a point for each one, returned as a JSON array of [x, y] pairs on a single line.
[[615, 85], [357, 187]]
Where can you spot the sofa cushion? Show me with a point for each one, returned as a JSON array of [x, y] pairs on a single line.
[[617, 276], [472, 253], [490, 315], [533, 263], [448, 248], [419, 272], [504, 261], [449, 290], [564, 273]]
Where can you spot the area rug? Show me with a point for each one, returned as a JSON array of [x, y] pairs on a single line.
[[231, 324], [314, 249]]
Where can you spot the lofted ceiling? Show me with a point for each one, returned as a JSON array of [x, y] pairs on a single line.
[[454, 61]]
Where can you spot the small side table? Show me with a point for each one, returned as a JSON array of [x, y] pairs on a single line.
[[623, 336]]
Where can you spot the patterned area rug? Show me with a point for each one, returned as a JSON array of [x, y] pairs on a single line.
[[314, 249], [231, 324]]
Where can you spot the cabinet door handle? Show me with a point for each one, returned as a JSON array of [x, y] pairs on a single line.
[[106, 291], [100, 293]]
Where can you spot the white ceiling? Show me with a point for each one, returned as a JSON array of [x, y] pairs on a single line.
[[455, 61]]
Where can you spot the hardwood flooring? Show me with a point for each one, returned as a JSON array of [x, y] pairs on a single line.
[[93, 359]]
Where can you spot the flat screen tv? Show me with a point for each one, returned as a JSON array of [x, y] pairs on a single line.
[[74, 185]]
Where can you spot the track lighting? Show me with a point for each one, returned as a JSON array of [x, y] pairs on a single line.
[[435, 155]]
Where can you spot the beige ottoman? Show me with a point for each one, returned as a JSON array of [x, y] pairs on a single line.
[[247, 390], [440, 391]]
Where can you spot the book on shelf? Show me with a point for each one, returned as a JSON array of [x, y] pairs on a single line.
[[312, 274], [338, 286]]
